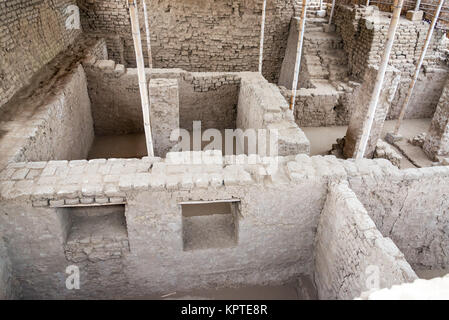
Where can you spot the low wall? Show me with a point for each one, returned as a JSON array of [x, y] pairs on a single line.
[[320, 107], [350, 252], [274, 242], [59, 128], [116, 107], [410, 207], [242, 100], [262, 106], [8, 285], [279, 203]]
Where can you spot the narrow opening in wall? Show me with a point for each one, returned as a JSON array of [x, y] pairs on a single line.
[[94, 232], [207, 225]]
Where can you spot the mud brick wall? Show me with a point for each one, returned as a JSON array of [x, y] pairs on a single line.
[[196, 35], [350, 250], [31, 34]]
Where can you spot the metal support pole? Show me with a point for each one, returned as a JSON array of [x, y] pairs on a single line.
[[302, 24], [367, 3], [379, 80], [141, 74], [262, 35], [418, 67], [147, 31], [418, 4], [332, 12]]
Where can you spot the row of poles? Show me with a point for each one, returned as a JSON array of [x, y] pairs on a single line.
[[133, 10]]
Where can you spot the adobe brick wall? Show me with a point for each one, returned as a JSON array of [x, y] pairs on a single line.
[[32, 33], [198, 35]]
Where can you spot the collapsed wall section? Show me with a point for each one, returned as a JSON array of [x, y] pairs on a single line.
[[351, 255]]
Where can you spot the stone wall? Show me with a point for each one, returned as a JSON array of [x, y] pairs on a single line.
[[196, 35], [350, 252], [33, 33]]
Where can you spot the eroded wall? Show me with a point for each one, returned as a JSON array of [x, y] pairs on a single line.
[[411, 207], [8, 284], [270, 248], [60, 127], [351, 255], [33, 33]]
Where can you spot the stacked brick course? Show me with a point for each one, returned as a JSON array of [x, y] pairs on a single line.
[[197, 35], [32, 33]]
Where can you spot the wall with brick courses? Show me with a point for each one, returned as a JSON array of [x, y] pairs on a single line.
[[349, 250], [59, 128], [279, 246], [116, 107], [32, 33], [196, 35], [364, 35], [411, 207], [217, 99]]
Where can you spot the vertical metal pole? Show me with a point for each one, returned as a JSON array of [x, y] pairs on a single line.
[[418, 4], [332, 12], [367, 3], [147, 31], [262, 35], [141, 74], [302, 24], [379, 80], [418, 67]]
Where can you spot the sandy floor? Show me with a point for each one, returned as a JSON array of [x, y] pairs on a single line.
[[119, 146], [322, 138], [430, 274], [280, 292]]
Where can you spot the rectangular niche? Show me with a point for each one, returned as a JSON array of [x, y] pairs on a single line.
[[94, 233], [209, 224]]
